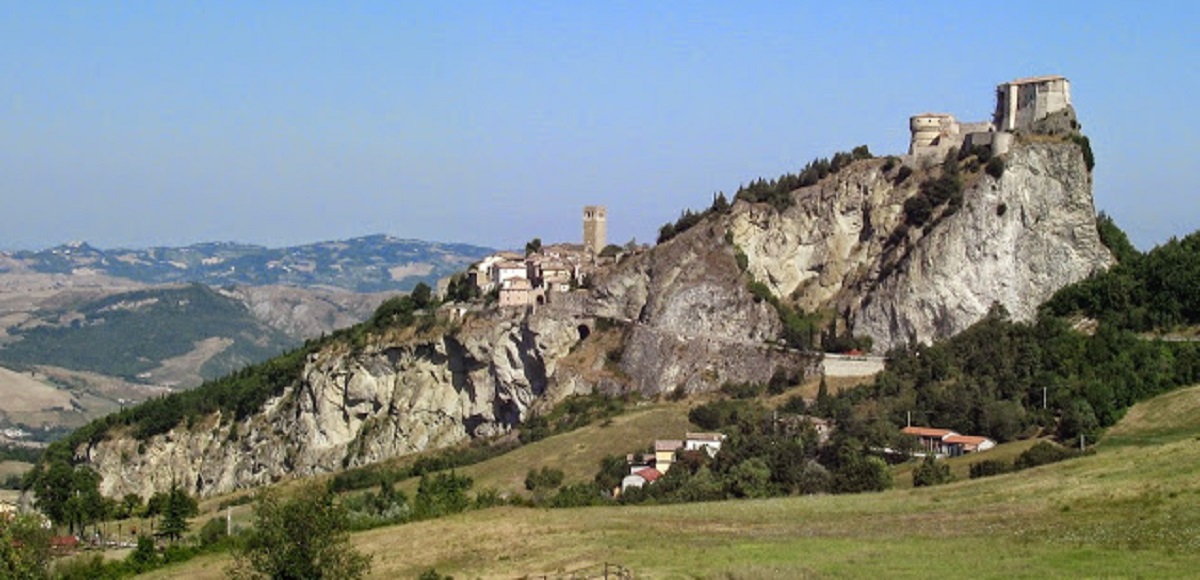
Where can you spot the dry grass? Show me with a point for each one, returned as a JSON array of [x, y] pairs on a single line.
[[21, 393], [1130, 510], [578, 452]]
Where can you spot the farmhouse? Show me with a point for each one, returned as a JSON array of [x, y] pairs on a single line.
[[963, 444], [946, 442], [640, 478]]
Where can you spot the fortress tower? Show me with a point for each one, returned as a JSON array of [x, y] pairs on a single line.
[[595, 228], [1021, 102]]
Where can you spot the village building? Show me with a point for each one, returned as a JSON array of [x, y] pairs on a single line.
[[664, 453], [946, 442], [962, 444], [517, 292], [506, 270], [709, 442], [550, 274], [640, 478]]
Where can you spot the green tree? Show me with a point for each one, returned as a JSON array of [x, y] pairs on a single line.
[[144, 556], [24, 547], [441, 494], [613, 469], [422, 295], [305, 536], [1115, 239], [751, 478], [824, 401], [178, 507], [533, 246], [931, 472]]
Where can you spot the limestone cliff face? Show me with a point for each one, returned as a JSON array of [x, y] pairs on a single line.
[[694, 323], [679, 317], [1015, 241], [351, 409]]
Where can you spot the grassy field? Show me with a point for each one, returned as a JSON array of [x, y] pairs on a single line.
[[578, 452], [960, 467], [1130, 510]]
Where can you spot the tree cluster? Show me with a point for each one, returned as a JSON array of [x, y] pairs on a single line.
[[1005, 380], [304, 536], [800, 329], [778, 191], [1144, 292]]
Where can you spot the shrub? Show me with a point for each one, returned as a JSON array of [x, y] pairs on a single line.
[[546, 478], [995, 167], [931, 472], [1085, 145], [917, 210], [742, 390], [990, 467], [1043, 453], [795, 404]]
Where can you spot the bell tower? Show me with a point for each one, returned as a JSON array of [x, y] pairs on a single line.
[[595, 228]]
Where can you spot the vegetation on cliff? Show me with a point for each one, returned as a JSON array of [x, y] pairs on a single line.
[[777, 192], [59, 480], [1144, 292], [1006, 379]]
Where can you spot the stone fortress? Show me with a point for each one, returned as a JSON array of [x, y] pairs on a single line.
[[1041, 103]]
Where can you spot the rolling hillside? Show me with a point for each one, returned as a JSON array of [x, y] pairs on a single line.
[[375, 263], [1129, 510], [138, 335]]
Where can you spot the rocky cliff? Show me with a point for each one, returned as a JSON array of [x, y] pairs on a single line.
[[677, 318], [405, 393], [846, 248]]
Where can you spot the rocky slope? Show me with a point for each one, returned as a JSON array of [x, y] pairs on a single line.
[[845, 248], [682, 328], [680, 317]]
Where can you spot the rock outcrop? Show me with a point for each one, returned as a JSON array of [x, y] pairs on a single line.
[[680, 317], [844, 246]]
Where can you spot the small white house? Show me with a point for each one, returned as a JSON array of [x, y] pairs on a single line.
[[641, 478], [709, 442]]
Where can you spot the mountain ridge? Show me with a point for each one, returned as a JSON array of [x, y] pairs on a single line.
[[372, 263]]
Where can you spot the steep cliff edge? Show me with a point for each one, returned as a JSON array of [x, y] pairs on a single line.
[[681, 315], [845, 247], [681, 318]]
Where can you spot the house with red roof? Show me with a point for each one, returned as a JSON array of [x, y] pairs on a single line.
[[641, 478], [946, 442]]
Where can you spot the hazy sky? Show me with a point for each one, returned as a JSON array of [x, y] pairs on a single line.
[[166, 123]]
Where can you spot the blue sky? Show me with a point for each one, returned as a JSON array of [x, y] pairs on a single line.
[[137, 124]]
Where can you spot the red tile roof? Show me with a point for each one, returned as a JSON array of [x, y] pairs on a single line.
[[927, 432], [649, 474], [966, 439]]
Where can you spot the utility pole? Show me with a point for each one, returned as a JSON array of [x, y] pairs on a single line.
[[910, 418], [229, 520], [1043, 398]]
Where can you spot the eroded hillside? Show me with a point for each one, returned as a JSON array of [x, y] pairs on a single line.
[[873, 247]]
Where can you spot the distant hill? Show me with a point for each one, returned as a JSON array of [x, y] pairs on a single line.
[[171, 335], [376, 263]]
